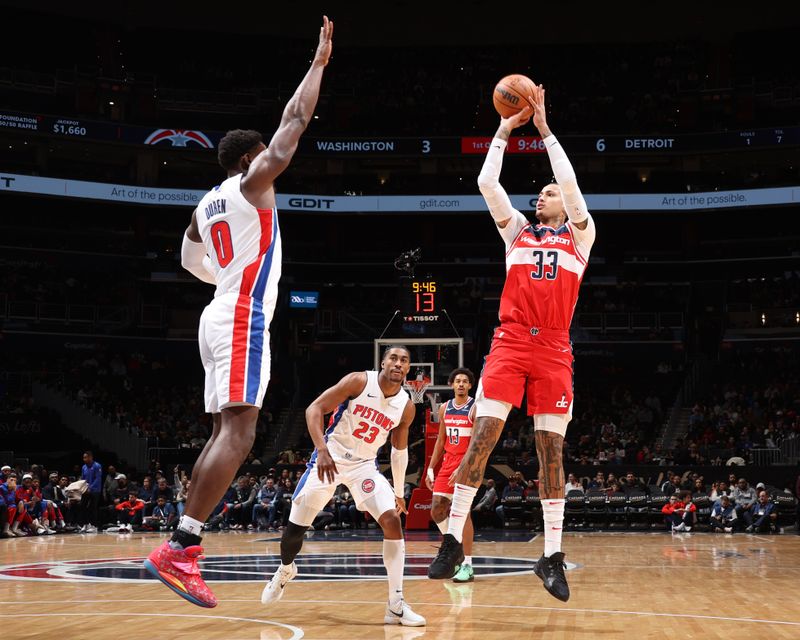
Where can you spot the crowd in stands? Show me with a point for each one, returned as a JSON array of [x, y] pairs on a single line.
[[98, 499], [680, 503], [757, 409]]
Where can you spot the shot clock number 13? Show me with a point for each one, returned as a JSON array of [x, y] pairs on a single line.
[[424, 292]]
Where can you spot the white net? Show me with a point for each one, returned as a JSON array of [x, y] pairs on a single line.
[[416, 389]]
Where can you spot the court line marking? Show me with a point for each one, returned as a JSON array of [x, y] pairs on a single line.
[[568, 609], [297, 633], [375, 602], [62, 570]]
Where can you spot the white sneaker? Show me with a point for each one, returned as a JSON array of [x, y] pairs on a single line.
[[680, 527], [49, 531], [40, 531], [405, 617], [274, 589], [687, 529], [83, 528], [90, 528]]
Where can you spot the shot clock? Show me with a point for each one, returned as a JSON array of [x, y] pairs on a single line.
[[420, 299]]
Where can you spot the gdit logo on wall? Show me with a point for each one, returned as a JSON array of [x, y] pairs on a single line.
[[179, 138]]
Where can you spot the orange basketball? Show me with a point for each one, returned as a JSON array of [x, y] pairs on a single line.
[[511, 94]]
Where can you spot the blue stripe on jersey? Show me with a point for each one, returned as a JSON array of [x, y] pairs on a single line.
[[255, 350], [303, 478], [331, 426], [451, 407], [266, 264]]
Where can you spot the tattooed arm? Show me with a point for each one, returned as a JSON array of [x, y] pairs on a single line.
[[485, 434], [549, 449]]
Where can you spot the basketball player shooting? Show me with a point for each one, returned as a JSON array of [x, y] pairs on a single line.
[[531, 351], [234, 241], [455, 431], [366, 407]]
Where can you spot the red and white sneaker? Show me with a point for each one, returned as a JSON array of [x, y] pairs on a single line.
[[177, 568]]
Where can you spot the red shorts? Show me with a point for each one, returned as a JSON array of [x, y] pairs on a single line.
[[533, 361], [449, 464]]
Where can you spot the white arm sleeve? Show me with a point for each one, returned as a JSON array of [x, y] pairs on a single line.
[[496, 197], [195, 260], [399, 459], [574, 202]]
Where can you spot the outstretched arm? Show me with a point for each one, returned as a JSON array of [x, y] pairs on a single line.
[[489, 179], [269, 164], [574, 202]]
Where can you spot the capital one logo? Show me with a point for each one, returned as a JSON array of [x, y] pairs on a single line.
[[179, 138]]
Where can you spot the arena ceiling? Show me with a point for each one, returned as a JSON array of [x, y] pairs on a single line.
[[395, 22]]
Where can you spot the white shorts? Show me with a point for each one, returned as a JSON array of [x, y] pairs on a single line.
[[368, 486], [234, 348]]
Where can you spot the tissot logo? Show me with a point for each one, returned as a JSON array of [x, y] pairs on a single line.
[[310, 203], [179, 138]]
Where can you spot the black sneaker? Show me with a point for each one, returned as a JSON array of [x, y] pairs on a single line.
[[445, 564], [551, 571]]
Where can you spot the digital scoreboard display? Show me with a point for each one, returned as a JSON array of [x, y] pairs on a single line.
[[420, 299]]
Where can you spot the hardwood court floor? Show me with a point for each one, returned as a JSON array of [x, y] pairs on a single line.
[[624, 586]]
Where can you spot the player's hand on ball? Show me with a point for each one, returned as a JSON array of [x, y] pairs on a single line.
[[400, 505], [518, 119], [539, 114], [326, 467], [325, 46]]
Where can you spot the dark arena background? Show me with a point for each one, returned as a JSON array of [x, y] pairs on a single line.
[[682, 122]]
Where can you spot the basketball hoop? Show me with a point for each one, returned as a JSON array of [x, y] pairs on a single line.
[[416, 389]]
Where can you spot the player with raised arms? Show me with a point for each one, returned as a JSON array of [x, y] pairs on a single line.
[[367, 408], [455, 431], [531, 350], [234, 241]]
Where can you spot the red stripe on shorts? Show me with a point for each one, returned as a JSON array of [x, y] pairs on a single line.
[[241, 326]]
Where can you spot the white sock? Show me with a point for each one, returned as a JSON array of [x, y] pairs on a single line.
[[190, 525], [553, 512], [463, 496], [394, 559], [443, 525], [468, 560]]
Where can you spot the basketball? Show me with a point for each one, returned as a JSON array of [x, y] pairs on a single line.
[[511, 94]]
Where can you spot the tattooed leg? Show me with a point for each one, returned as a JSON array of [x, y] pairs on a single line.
[[549, 449], [485, 435]]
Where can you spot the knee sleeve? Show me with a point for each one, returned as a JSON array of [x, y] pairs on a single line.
[[488, 408], [553, 422], [292, 542]]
